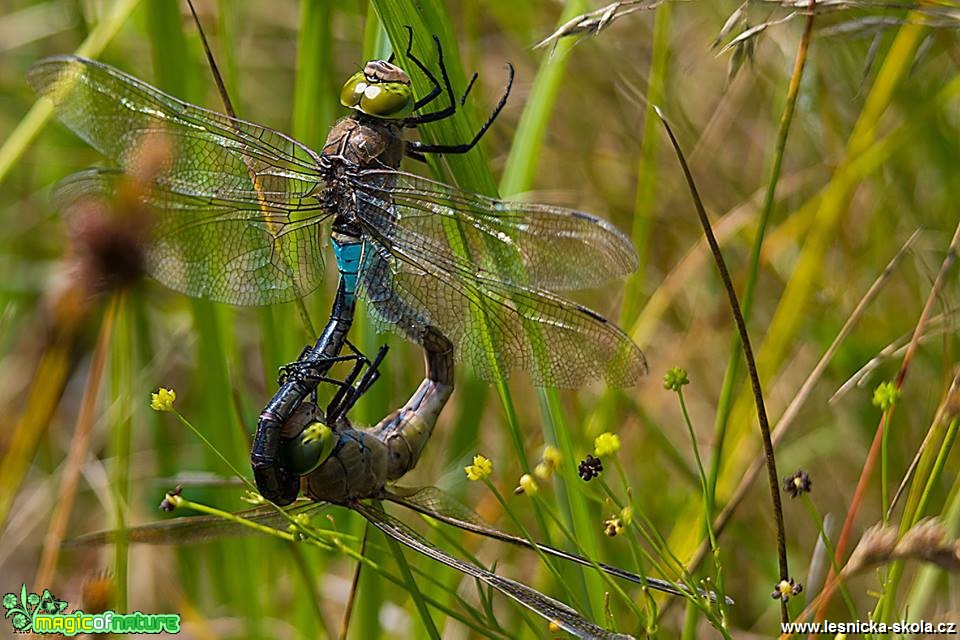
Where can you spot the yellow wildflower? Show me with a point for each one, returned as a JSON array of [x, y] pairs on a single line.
[[886, 395], [543, 471], [612, 526], [786, 589], [527, 485], [551, 456], [605, 444], [480, 469], [163, 399]]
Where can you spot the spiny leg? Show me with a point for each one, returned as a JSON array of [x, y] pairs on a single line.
[[345, 387], [436, 90], [473, 79], [350, 393], [415, 147], [447, 111], [303, 370]]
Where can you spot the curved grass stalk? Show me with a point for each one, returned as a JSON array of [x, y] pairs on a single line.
[[802, 284], [756, 387]]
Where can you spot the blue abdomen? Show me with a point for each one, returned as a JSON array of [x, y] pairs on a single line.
[[348, 264]]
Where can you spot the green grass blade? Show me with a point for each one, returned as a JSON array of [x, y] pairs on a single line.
[[518, 177], [21, 137], [121, 409], [315, 94], [647, 179]]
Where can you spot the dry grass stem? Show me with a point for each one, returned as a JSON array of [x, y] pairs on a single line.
[[924, 542]]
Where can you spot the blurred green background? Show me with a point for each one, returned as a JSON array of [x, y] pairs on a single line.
[[872, 157]]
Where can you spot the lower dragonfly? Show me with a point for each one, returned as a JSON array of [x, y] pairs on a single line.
[[240, 213], [346, 466]]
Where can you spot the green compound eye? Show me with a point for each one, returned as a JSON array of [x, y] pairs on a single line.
[[377, 99], [309, 450], [352, 91], [387, 100]]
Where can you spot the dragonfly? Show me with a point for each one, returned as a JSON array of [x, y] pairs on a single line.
[[356, 468], [240, 214]]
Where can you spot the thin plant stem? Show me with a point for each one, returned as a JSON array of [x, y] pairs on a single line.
[[348, 610], [707, 495], [609, 580], [690, 619], [411, 586], [121, 366], [885, 608], [210, 446], [748, 356], [642, 524], [653, 537], [937, 471], [806, 389], [526, 534], [884, 471], [79, 448]]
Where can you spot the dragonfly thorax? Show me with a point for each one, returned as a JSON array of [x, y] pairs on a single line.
[[358, 142]]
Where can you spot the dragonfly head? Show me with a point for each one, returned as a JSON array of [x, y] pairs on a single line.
[[381, 90], [311, 448], [306, 440]]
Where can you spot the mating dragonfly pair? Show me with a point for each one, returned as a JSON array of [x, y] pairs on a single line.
[[356, 465], [239, 214]]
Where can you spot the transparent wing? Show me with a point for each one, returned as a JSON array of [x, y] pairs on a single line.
[[213, 154], [553, 610], [215, 248], [195, 529], [217, 182], [438, 504], [495, 324], [527, 244]]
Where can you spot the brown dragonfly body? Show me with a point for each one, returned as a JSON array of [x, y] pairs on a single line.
[[363, 461]]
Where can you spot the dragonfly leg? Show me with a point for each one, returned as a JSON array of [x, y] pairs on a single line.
[[437, 90], [419, 157], [292, 370], [420, 147], [450, 109], [274, 482], [348, 394], [312, 372], [473, 79], [447, 111]]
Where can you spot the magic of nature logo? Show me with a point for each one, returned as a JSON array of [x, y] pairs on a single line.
[[44, 613]]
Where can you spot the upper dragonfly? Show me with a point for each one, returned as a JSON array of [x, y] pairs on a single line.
[[240, 215]]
